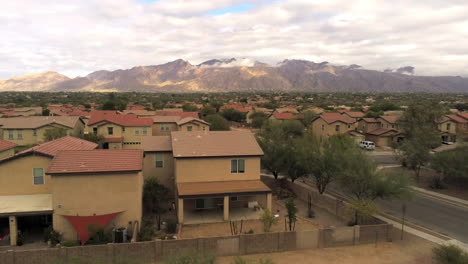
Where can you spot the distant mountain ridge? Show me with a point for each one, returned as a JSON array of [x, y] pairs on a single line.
[[231, 75]]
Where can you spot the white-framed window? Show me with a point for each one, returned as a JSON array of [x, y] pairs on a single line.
[[110, 131], [189, 128], [164, 127], [159, 160], [10, 134], [238, 166], [38, 176], [20, 134], [145, 131]]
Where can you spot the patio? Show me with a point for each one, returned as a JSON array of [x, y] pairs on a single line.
[[216, 215]]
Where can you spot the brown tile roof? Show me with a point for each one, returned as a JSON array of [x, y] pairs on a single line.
[[98, 160], [156, 143], [66, 143], [121, 120], [140, 112], [4, 145], [190, 119], [381, 131], [221, 188], [354, 114], [214, 144], [176, 113], [336, 117], [165, 119], [32, 122], [370, 120], [457, 119], [390, 119]]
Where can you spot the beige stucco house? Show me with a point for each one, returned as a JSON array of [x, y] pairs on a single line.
[[7, 149]]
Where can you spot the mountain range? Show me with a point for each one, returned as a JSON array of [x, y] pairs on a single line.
[[231, 75]]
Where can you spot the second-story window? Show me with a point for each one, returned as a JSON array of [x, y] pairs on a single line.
[[95, 130], [159, 160], [448, 127], [164, 127], [323, 127], [237, 166], [145, 131], [137, 131], [110, 131], [38, 176], [189, 128], [337, 128], [10, 134], [34, 132], [20, 134]]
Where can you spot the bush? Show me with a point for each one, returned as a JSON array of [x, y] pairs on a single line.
[[239, 260], [171, 226], [147, 231], [250, 232], [449, 254], [70, 243], [98, 235], [268, 220], [437, 184]]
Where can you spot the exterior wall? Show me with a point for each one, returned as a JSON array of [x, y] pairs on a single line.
[[366, 127], [165, 174], [385, 124], [158, 132], [16, 176], [196, 126], [380, 141], [30, 139], [321, 128], [128, 133], [214, 169], [7, 153], [452, 127], [97, 194]]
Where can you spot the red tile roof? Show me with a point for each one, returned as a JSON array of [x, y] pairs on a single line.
[[4, 145], [156, 143], [370, 120], [381, 131], [66, 143], [464, 115], [336, 117], [78, 112], [284, 116], [390, 119], [95, 161], [175, 113], [121, 120], [354, 114]]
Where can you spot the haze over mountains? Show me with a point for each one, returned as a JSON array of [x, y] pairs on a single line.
[[230, 75]]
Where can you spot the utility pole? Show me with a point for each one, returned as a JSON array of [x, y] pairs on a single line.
[[403, 213]]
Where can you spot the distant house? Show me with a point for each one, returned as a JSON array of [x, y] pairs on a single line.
[[368, 124], [447, 126], [7, 149], [31, 130], [388, 122], [287, 109], [383, 137], [238, 107], [20, 111], [354, 115], [164, 125], [329, 124]]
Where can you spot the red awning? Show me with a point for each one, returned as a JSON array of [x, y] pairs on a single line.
[[81, 223]]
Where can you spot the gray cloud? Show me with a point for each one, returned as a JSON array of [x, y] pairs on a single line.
[[75, 38]]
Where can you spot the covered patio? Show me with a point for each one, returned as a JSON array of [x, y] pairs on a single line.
[[210, 202]]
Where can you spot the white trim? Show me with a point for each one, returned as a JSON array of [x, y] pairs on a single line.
[[43, 176]]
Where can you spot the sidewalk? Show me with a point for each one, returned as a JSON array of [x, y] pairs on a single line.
[[446, 198]]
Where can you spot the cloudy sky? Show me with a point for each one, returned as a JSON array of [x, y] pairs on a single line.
[[78, 37]]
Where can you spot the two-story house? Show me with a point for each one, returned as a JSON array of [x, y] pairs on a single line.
[[31, 130], [329, 124], [26, 190], [447, 127], [388, 122], [217, 174], [120, 131], [368, 124], [164, 125]]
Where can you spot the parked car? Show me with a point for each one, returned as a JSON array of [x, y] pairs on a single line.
[[369, 145]]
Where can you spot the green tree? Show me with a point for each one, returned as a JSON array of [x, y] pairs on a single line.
[[207, 110], [309, 116], [217, 123], [268, 220], [45, 112], [96, 138], [449, 254], [233, 115], [274, 144], [291, 213], [216, 105], [258, 119], [452, 163], [109, 105], [154, 194], [54, 133], [189, 108], [418, 124], [292, 128]]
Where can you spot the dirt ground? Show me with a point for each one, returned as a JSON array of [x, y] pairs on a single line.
[[426, 176], [322, 219], [409, 251]]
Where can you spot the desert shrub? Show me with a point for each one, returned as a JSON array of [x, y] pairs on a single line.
[[449, 254], [250, 232], [70, 243], [98, 235], [268, 220], [437, 184], [147, 231], [239, 260]]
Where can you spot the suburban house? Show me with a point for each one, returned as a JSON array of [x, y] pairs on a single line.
[[329, 124], [7, 149], [120, 131], [461, 123], [26, 190], [96, 187], [158, 160], [384, 137], [354, 115], [164, 125], [388, 122], [287, 109], [20, 111], [447, 127], [31, 130], [217, 176], [174, 112], [368, 124]]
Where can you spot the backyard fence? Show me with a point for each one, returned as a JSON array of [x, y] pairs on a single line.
[[150, 252]]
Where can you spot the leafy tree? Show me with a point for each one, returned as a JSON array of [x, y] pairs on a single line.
[[87, 106], [153, 194], [216, 105], [258, 119], [420, 129], [45, 112], [233, 115], [384, 107], [207, 110], [449, 254], [109, 105], [291, 213], [217, 123], [189, 108], [292, 128], [54, 133], [96, 138], [452, 163], [268, 220], [295, 168], [309, 116], [274, 144]]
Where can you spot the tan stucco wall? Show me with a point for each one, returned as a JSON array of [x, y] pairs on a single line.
[[443, 127], [366, 127], [16, 176], [196, 126], [165, 175], [215, 169], [118, 131], [329, 129], [380, 141], [30, 139], [385, 124], [158, 132], [98, 194], [7, 153]]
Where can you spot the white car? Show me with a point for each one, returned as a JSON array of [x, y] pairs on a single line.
[[369, 145]]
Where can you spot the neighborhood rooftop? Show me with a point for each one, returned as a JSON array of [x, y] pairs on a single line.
[[156, 143], [89, 161], [51, 148], [4, 145], [214, 143], [32, 122]]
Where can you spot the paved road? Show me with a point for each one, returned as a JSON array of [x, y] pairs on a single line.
[[427, 211]]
